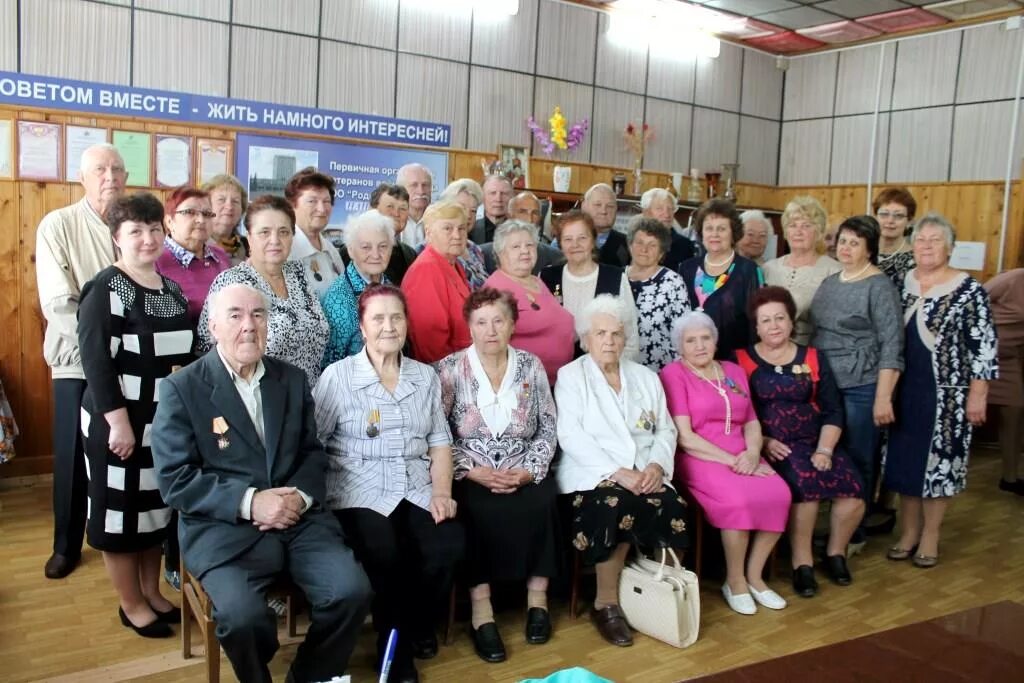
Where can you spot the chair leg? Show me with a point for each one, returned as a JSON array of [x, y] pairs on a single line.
[[449, 624], [186, 615], [574, 588], [698, 551], [212, 652], [291, 615]]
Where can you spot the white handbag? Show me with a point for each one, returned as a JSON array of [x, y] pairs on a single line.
[[661, 601]]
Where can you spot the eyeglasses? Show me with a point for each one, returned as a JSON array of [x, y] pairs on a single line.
[[889, 214], [192, 213]]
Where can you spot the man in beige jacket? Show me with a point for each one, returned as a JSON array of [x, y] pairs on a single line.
[[73, 244]]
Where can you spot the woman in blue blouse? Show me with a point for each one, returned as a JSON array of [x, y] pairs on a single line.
[[369, 240], [389, 476]]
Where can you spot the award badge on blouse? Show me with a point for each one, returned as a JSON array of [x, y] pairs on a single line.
[[646, 421], [801, 369], [220, 428], [372, 422]]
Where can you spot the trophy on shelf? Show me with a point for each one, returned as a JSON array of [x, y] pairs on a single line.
[[693, 191], [712, 178], [729, 172]]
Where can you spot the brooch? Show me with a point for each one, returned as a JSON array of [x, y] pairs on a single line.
[[646, 421], [372, 420], [315, 267], [220, 428], [558, 292]]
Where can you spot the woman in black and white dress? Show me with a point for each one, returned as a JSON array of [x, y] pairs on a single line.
[[133, 331]]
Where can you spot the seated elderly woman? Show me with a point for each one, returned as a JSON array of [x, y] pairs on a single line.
[[369, 239], [436, 286], [719, 460], [500, 410], [389, 476], [617, 441], [661, 205], [468, 194], [950, 357], [542, 326], [296, 326], [660, 294], [582, 278], [801, 413]]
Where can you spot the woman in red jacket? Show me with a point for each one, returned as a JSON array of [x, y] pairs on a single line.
[[436, 288]]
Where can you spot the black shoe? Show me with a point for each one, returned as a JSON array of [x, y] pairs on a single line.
[[1012, 486], [59, 566], [424, 646], [804, 583], [171, 616], [487, 642], [403, 672], [837, 570], [154, 629], [538, 626]]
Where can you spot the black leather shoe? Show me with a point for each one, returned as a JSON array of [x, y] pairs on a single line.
[[538, 626], [611, 624], [804, 583], [171, 616], [424, 646], [59, 566], [837, 570], [487, 642], [154, 629]]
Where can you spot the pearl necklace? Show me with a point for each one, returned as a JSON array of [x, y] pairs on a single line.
[[898, 250], [720, 263], [843, 278], [719, 389]]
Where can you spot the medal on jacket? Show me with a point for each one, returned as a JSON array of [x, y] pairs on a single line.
[[646, 421], [220, 428], [315, 267], [372, 420]]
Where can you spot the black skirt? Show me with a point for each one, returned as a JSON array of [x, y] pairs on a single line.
[[509, 536], [610, 514]]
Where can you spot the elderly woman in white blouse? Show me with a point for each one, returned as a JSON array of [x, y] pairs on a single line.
[[618, 443], [389, 479]]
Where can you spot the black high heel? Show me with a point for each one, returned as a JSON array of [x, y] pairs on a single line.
[[154, 629]]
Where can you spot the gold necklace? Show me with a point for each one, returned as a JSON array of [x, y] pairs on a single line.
[[719, 389]]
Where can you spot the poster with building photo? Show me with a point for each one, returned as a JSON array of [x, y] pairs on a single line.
[[269, 168]]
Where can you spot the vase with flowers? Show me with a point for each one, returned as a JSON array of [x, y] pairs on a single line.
[[559, 141], [636, 138]]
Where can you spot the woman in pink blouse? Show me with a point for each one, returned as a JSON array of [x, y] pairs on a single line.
[[502, 416], [543, 327]]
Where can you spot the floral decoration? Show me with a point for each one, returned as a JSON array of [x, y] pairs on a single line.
[[636, 138], [557, 136]]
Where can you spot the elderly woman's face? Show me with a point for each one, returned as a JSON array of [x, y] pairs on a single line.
[[930, 248], [576, 243], [519, 254], [773, 324], [384, 325], [467, 202], [606, 339], [697, 346], [447, 236], [394, 208], [801, 234], [270, 237], [226, 202], [662, 211], [491, 327], [851, 248], [716, 234], [370, 250], [893, 219], [645, 250], [190, 224]]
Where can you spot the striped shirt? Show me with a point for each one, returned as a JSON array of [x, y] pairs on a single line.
[[376, 440]]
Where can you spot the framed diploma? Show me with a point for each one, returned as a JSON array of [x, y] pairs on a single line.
[[173, 155], [6, 148], [136, 150], [77, 139], [39, 151], [213, 158]]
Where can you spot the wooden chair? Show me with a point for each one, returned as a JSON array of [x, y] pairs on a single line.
[[195, 603]]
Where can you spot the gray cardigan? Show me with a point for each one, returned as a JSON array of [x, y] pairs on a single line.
[[859, 326]]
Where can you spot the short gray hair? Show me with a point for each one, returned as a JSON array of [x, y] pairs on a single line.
[[603, 187], [691, 321], [497, 177], [214, 300], [98, 147], [462, 185], [516, 198], [405, 170], [508, 228], [657, 194], [602, 304], [755, 215], [369, 220], [939, 221], [652, 227]]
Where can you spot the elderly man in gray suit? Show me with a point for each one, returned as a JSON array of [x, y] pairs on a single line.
[[235, 446]]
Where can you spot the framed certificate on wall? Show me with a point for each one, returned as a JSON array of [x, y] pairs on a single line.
[[213, 158], [173, 154], [39, 151], [136, 150], [77, 139]]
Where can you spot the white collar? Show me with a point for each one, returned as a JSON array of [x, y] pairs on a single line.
[[495, 407]]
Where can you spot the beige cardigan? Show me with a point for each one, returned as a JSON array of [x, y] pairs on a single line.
[[73, 244]]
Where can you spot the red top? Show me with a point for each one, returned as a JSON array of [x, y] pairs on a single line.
[[436, 290]]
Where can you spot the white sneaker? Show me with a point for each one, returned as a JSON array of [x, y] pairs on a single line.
[[768, 598], [741, 603]]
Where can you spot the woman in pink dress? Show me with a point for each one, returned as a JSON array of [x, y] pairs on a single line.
[[544, 327], [719, 460]]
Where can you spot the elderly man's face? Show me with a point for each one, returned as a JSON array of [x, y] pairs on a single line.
[[239, 324], [103, 176], [419, 187], [601, 208], [526, 209], [663, 211], [496, 195], [755, 239]]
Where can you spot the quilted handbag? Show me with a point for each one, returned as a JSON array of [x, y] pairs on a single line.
[[660, 600]]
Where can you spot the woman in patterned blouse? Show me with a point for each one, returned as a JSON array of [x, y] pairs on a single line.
[[389, 476], [500, 409], [296, 329]]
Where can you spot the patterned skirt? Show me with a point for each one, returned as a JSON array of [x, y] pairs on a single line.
[[610, 514]]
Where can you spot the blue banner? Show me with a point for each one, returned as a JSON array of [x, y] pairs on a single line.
[[118, 100], [264, 164]]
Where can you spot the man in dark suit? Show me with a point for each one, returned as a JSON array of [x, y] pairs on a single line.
[[600, 204], [497, 191], [236, 453]]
